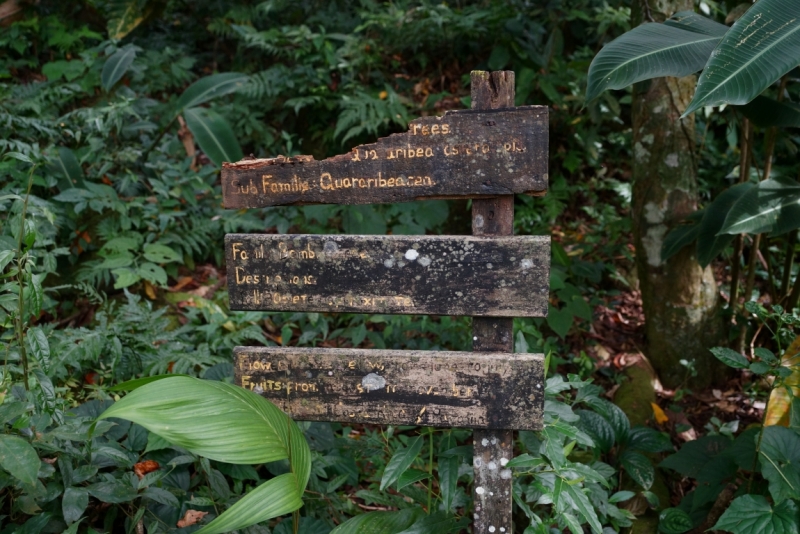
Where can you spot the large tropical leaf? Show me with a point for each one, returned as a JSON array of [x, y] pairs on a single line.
[[65, 164], [211, 87], [213, 134], [710, 243], [680, 46], [380, 522], [749, 514], [682, 235], [761, 47], [772, 206], [766, 112], [125, 15], [228, 424], [117, 65]]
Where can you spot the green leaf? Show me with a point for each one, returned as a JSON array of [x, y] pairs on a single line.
[[710, 243], [410, 476], [161, 496], [780, 462], [571, 497], [646, 439], [674, 521], [682, 235], [694, 455], [448, 480], [112, 492], [19, 459], [760, 47], [213, 134], [773, 206], [730, 357], [125, 15], [437, 523], [759, 368], [638, 468], [211, 87], [117, 65], [766, 112], [5, 258], [380, 522], [130, 385], [160, 253], [525, 460], [598, 428], [74, 503], [125, 277], [679, 47], [752, 513], [621, 496], [156, 443], [152, 273], [559, 320], [401, 460], [65, 164], [40, 347]]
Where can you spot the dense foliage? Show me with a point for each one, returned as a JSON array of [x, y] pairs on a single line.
[[115, 116]]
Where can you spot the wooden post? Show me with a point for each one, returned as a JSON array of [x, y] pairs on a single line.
[[493, 448]]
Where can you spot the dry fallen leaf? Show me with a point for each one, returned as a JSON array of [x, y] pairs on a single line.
[[192, 517], [659, 414], [142, 468]]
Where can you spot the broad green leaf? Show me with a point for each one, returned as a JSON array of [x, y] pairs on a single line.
[[679, 47], [220, 421], [411, 476], [568, 497], [380, 522], [694, 455], [598, 428], [772, 206], [400, 461], [525, 460], [638, 468], [749, 514], [65, 164], [621, 496], [5, 258], [682, 235], [766, 112], [160, 253], [74, 503], [674, 521], [646, 439], [213, 134], [117, 65], [40, 347], [730, 357], [19, 459], [760, 47], [437, 523], [112, 492], [152, 273], [211, 87], [780, 462], [559, 320], [161, 496], [130, 385], [125, 277], [710, 243]]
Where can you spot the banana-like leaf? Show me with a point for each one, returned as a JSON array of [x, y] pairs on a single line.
[[709, 242], [765, 112], [213, 134], [211, 87], [380, 522], [762, 46], [680, 46], [772, 206], [126, 15], [117, 65], [216, 420], [273, 498]]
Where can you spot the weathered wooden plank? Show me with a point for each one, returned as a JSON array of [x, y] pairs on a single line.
[[464, 153], [393, 387], [464, 275]]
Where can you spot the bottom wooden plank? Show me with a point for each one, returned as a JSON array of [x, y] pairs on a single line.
[[396, 387]]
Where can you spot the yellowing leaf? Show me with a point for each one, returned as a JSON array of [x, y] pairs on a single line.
[[780, 401], [659, 414]]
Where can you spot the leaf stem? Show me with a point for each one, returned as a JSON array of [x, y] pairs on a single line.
[[23, 355]]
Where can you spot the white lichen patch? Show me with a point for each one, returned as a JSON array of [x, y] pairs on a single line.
[[653, 213], [648, 139], [653, 240], [640, 152], [373, 382], [411, 254], [389, 263], [505, 474], [672, 161], [526, 264], [503, 461], [479, 490], [492, 466], [424, 261]]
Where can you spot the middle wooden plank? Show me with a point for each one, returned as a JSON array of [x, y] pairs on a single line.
[[461, 275]]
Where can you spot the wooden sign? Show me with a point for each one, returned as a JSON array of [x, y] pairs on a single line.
[[465, 153], [464, 275], [450, 389]]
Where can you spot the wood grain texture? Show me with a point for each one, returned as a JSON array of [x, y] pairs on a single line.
[[493, 217], [463, 275], [462, 154], [392, 387]]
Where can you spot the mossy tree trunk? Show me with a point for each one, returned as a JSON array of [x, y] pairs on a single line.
[[680, 299]]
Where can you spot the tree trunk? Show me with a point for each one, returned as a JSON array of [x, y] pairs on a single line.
[[680, 299]]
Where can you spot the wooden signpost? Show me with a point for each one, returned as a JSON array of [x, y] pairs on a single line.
[[488, 154]]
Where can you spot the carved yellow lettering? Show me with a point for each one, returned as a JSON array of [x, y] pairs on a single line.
[[428, 152], [425, 130], [351, 364], [445, 128], [246, 381], [435, 129], [238, 251], [391, 182]]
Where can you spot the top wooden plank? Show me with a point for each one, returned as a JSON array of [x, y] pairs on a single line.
[[465, 153]]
